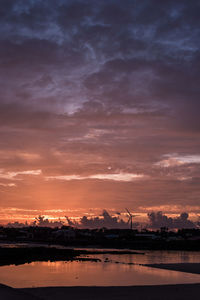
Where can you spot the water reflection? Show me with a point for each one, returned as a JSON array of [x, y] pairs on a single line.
[[115, 269], [152, 257], [89, 274]]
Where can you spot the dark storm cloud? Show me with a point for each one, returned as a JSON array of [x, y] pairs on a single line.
[[114, 53]]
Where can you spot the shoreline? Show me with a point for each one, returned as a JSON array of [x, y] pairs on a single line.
[[143, 245], [193, 268], [146, 292], [22, 255]]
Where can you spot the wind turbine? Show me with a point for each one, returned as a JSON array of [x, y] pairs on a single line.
[[130, 218]]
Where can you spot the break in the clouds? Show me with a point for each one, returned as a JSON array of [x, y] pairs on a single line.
[[12, 175], [116, 177], [172, 160], [91, 87], [7, 184]]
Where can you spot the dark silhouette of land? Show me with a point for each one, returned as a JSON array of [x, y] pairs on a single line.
[[162, 239], [165, 292], [24, 254], [8, 293], [30, 254]]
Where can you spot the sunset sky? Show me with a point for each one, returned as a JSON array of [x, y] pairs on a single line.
[[99, 107]]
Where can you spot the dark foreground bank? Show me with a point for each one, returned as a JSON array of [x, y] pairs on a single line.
[[8, 293], [164, 292]]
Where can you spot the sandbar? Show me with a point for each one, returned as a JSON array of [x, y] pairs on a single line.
[[181, 267]]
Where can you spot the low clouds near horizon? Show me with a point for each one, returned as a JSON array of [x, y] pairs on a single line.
[[100, 90], [156, 220]]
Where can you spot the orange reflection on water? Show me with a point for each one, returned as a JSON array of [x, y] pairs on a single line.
[[89, 274]]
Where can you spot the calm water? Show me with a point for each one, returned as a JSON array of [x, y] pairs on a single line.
[[112, 270], [153, 257]]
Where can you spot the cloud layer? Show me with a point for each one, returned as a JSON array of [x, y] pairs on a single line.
[[158, 220], [99, 90]]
